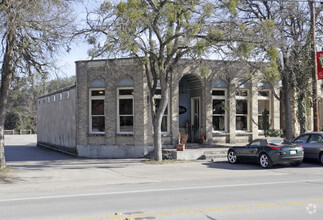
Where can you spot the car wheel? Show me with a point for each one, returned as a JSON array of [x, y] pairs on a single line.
[[232, 157], [297, 164], [321, 158], [265, 161]]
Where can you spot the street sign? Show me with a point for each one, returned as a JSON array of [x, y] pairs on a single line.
[[319, 58]]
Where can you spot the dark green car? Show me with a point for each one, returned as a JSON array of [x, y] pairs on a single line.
[[267, 152]]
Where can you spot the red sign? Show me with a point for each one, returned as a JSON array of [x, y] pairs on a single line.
[[319, 58]]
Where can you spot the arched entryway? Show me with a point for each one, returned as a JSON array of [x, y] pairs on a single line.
[[190, 108]]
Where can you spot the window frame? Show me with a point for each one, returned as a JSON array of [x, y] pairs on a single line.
[[218, 97], [118, 109], [239, 97], [102, 97]]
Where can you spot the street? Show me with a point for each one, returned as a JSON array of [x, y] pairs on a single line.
[[63, 187]]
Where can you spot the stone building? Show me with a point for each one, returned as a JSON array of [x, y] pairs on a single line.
[[107, 114]]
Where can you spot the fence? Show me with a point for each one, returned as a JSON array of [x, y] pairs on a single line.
[[14, 132]]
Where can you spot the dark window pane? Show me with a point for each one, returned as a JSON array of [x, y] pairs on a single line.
[[125, 106], [263, 106], [126, 92], [262, 124], [164, 124], [126, 124], [241, 123], [98, 124], [242, 93], [97, 107], [218, 123], [158, 92], [157, 103], [218, 106], [263, 93], [218, 92], [242, 107], [97, 92]]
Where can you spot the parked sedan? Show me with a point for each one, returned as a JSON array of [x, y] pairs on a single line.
[[267, 152], [313, 145]]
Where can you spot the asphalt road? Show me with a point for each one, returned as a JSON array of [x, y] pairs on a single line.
[[67, 188]]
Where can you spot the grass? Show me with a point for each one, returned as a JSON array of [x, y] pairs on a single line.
[[154, 162], [3, 173]]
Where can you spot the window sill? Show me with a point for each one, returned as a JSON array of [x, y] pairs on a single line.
[[124, 134], [243, 132], [220, 132], [95, 134], [166, 134]]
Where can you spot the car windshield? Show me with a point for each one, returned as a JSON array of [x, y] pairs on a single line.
[[275, 141]]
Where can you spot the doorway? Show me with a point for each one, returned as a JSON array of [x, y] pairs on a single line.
[[190, 94]]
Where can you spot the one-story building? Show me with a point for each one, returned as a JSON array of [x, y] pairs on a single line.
[[107, 114]]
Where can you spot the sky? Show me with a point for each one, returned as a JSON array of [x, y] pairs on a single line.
[[79, 48], [67, 62]]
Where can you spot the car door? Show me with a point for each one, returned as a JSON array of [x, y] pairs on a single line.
[[313, 145], [252, 150], [303, 140]]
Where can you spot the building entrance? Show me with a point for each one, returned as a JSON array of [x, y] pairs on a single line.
[[190, 93]]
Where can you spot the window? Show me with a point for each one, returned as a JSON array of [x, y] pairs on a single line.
[[315, 138], [219, 99], [165, 123], [54, 98], [242, 110], [97, 116], [264, 109], [60, 96], [254, 144], [67, 95], [48, 99], [125, 110], [218, 110], [301, 139]]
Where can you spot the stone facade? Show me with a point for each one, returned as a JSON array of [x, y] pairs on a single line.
[[211, 106]]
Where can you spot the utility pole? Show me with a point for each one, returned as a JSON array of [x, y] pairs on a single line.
[[314, 70]]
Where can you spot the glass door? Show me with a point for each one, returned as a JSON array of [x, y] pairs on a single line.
[[195, 119]]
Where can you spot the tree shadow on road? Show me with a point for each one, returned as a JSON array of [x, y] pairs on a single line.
[[246, 166]]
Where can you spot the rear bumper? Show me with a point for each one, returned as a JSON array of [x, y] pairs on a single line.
[[276, 158]]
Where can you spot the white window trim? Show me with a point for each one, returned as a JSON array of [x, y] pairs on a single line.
[[265, 98], [215, 97], [248, 110], [90, 108], [167, 115], [133, 109]]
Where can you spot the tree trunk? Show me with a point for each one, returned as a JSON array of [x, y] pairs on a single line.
[[7, 71], [301, 112], [158, 154], [157, 117], [287, 105]]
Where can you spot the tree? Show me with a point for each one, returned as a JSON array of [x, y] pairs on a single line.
[[158, 34], [284, 30], [22, 100], [31, 33]]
